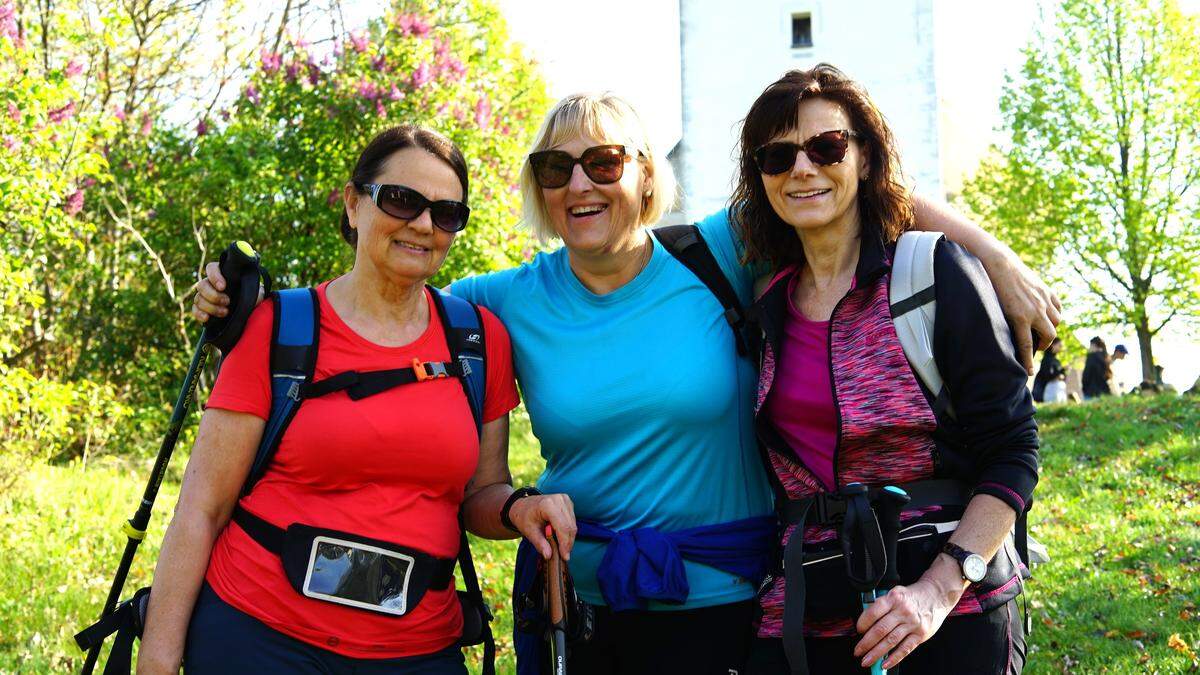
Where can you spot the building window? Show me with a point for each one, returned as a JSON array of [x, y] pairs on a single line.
[[802, 31]]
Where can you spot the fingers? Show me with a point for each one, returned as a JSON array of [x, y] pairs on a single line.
[[213, 271], [900, 652], [536, 537], [1022, 334], [1046, 332], [205, 306], [560, 513], [872, 613], [883, 634], [209, 300], [556, 510], [889, 642]]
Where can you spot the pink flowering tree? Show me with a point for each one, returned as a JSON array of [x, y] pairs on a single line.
[[271, 167], [49, 157]]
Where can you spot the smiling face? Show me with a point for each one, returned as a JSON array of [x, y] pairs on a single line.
[[409, 251], [593, 218], [811, 196]]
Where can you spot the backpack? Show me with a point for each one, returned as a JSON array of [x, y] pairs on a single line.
[[913, 306], [294, 345]]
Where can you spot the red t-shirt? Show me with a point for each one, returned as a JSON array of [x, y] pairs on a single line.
[[392, 466]]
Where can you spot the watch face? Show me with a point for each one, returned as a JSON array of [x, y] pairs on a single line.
[[974, 567]]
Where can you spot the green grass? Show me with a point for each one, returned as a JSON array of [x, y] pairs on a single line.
[[1118, 505]]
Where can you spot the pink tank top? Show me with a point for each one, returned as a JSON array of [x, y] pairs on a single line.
[[800, 404]]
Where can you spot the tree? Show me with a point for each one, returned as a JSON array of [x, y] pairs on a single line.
[[1096, 182], [120, 174]]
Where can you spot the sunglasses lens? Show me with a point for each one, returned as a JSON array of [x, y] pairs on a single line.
[[449, 216], [827, 148], [604, 165], [401, 202], [551, 169], [776, 158]]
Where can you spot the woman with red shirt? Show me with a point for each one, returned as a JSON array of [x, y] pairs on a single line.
[[396, 467]]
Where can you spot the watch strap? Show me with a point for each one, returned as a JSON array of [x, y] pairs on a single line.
[[957, 552], [519, 493]]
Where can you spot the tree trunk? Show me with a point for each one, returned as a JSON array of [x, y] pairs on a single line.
[[1144, 336]]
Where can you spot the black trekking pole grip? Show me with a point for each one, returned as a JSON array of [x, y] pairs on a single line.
[[891, 501], [241, 268]]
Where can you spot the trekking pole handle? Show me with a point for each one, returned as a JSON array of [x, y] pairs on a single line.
[[242, 271], [888, 507]]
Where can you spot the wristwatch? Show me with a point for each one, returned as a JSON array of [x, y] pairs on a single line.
[[519, 493], [974, 567]]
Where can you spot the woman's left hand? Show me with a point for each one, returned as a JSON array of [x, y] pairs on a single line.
[[903, 619]]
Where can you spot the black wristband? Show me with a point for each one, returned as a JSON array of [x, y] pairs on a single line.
[[519, 493]]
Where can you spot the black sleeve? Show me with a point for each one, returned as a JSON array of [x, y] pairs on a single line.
[[986, 385]]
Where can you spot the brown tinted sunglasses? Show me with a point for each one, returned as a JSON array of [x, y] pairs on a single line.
[[602, 164]]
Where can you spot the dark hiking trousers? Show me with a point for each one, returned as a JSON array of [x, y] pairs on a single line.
[[704, 641], [223, 640]]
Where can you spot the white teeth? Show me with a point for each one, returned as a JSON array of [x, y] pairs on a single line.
[[809, 193], [411, 247], [588, 210]]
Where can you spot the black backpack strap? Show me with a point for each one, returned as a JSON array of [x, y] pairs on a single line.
[[293, 359], [687, 245]]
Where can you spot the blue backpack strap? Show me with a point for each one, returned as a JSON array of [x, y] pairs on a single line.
[[464, 336], [463, 326], [293, 359]]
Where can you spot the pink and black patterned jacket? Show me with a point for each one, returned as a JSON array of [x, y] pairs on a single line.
[[889, 432]]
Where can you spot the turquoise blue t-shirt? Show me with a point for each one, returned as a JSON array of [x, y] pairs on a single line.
[[643, 408]]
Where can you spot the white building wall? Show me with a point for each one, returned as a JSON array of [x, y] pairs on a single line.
[[732, 50]]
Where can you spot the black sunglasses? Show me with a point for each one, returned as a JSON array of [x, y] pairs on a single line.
[[823, 149], [406, 203], [603, 164]]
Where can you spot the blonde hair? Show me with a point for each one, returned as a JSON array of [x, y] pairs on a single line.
[[603, 116]]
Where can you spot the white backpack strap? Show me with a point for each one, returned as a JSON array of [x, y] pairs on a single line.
[[914, 306]]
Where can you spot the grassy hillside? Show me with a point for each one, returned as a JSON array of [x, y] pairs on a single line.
[[1118, 507]]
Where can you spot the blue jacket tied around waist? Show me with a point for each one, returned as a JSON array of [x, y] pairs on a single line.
[[646, 564]]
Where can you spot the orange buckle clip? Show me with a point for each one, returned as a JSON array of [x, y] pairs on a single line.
[[428, 371]]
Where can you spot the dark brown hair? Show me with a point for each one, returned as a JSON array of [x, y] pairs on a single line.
[[884, 203], [391, 141]]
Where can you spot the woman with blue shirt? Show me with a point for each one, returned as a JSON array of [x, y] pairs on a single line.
[[642, 406]]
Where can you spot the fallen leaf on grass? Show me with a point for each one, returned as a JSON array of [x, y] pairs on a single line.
[[1178, 644], [1135, 634]]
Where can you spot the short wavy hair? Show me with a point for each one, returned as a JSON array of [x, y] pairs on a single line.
[[884, 201], [605, 117], [392, 140]]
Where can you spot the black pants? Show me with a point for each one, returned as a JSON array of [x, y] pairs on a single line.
[[224, 640], [710, 640], [992, 643]]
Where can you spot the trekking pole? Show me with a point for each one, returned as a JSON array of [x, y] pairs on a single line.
[[240, 267], [888, 506], [557, 605]]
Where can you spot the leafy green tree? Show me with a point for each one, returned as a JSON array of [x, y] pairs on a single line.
[[1097, 182]]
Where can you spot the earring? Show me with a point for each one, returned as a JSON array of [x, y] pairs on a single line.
[[647, 194]]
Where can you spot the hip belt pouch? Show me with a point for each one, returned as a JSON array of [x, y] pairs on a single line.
[[348, 569], [831, 596]]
